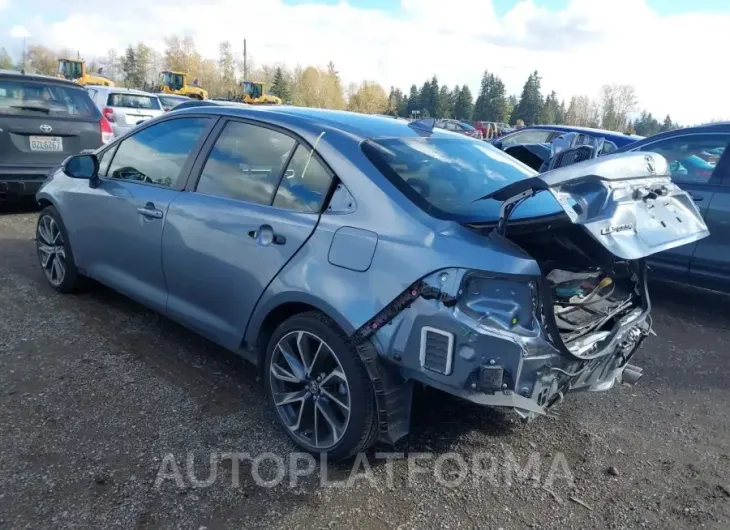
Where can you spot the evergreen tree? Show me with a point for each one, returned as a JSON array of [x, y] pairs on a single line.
[[6, 62], [280, 86], [414, 101], [129, 67], [446, 104], [530, 105], [668, 125], [550, 112], [480, 107], [464, 107]]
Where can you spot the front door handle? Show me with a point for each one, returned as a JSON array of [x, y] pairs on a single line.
[[265, 236], [697, 198], [149, 211]]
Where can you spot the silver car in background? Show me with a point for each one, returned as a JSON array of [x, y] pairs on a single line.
[[125, 108]]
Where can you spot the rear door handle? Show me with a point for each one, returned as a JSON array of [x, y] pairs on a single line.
[[265, 236], [150, 212]]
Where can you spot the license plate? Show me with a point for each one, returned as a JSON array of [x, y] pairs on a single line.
[[46, 143]]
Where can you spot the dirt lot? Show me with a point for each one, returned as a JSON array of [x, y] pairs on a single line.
[[96, 392]]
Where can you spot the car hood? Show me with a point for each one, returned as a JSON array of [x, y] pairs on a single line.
[[627, 202]]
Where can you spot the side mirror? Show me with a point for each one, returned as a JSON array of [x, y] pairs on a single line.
[[81, 166], [497, 144]]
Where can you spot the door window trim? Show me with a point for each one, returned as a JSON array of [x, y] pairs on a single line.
[[184, 173], [207, 148], [720, 175]]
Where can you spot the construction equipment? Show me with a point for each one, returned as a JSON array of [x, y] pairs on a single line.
[[176, 83], [75, 70], [253, 94]]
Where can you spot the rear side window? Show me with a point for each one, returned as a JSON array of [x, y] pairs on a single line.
[[246, 163], [692, 158], [133, 101], [157, 154], [30, 98], [305, 183]]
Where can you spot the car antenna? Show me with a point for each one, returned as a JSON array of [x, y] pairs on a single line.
[[425, 125]]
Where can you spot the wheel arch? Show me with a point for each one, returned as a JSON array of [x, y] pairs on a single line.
[[277, 309]]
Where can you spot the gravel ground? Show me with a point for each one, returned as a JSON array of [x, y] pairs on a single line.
[[102, 402]]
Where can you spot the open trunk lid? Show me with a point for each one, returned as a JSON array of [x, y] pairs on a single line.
[[627, 202]]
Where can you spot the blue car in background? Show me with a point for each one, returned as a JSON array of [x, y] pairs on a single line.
[[698, 163]]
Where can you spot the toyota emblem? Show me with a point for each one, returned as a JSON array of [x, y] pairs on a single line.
[[650, 167], [46, 128]]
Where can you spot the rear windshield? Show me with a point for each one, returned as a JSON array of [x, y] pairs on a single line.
[[29, 98], [171, 101], [133, 101], [444, 175]]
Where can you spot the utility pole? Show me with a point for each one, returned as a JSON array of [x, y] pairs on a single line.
[[24, 54], [245, 63]]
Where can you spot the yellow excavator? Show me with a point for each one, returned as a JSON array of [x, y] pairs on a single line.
[[75, 70], [177, 83], [253, 94]]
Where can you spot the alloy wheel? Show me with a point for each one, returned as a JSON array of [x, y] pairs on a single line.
[[51, 250], [310, 389]]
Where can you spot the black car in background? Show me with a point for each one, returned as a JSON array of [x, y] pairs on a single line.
[[42, 121], [699, 162]]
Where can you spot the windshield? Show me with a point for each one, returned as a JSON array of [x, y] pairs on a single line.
[[70, 69], [133, 101], [27, 98], [444, 175], [255, 90], [170, 101]]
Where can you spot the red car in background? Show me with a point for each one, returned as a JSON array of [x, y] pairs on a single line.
[[460, 127], [490, 129]]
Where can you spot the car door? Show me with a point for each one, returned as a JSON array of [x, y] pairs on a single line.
[[702, 180], [710, 263], [256, 202], [118, 222]]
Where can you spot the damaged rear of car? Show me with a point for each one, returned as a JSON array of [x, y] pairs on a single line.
[[524, 340]]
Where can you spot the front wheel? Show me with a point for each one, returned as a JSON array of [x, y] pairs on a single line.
[[319, 387], [54, 251]]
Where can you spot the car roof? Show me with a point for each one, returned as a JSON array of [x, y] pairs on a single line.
[[120, 90], [620, 139], [39, 78], [722, 127], [363, 126]]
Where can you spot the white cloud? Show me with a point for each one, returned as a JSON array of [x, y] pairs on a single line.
[[675, 62], [4, 4], [19, 32]]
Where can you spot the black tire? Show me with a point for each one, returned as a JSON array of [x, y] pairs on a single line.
[[362, 428], [72, 279]]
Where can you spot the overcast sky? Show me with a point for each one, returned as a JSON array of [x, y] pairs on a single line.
[[673, 51]]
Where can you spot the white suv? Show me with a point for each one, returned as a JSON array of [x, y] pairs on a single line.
[[125, 107]]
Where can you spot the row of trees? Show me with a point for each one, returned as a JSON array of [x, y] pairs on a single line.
[[313, 86]]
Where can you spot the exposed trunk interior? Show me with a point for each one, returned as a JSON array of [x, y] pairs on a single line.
[[590, 289]]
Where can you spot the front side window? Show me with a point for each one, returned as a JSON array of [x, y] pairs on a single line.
[[305, 183], [246, 163], [692, 158], [157, 154], [535, 136], [444, 176]]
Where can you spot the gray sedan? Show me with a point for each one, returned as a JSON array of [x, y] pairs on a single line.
[[350, 256]]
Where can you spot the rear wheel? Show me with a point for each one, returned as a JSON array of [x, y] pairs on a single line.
[[319, 388], [54, 251]]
